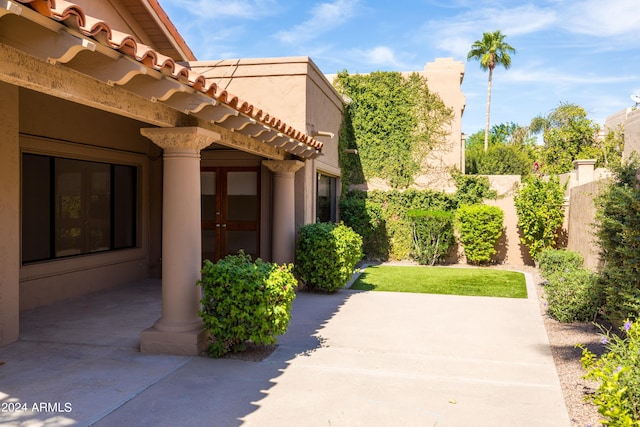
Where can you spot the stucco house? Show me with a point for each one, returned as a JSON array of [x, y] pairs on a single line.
[[444, 77], [121, 159]]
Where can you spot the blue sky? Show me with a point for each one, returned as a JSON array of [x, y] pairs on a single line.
[[580, 51]]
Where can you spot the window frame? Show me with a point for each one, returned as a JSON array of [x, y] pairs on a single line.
[[333, 197], [133, 205]]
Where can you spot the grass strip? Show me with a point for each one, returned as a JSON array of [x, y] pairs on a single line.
[[443, 280]]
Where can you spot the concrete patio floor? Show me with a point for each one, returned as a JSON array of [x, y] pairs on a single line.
[[348, 359]]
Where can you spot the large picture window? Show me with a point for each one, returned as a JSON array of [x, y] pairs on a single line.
[[74, 207]]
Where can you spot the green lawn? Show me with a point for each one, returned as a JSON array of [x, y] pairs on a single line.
[[443, 280]]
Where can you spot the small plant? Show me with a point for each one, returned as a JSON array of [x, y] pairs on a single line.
[[572, 291], [245, 300], [572, 295], [432, 234], [618, 372], [552, 261], [479, 227], [539, 206], [326, 254]]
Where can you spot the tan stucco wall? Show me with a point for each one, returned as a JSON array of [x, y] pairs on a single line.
[[510, 250], [55, 127], [292, 89], [632, 133], [9, 214], [444, 77], [627, 120]]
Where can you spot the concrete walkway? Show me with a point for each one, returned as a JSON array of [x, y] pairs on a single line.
[[348, 359]]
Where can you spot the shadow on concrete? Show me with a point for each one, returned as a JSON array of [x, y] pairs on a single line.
[[79, 363]]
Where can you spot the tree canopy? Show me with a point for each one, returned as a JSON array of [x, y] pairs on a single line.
[[568, 135], [511, 151]]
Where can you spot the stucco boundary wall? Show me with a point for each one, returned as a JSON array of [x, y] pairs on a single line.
[[510, 250]]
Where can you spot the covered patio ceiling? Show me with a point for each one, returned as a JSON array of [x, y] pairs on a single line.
[[60, 33]]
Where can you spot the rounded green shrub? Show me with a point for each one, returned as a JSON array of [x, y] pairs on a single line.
[[245, 300], [553, 261], [479, 228], [432, 234], [326, 254], [572, 295]]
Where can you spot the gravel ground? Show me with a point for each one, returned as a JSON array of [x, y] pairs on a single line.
[[563, 338]]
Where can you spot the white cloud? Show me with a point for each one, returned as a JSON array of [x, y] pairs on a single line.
[[456, 35], [324, 17], [603, 19], [381, 56]]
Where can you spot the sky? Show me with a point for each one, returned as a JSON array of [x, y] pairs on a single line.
[[585, 52]]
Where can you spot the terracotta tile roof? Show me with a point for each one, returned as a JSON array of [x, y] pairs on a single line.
[[73, 16]]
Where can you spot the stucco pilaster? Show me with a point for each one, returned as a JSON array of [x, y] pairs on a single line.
[[179, 330], [9, 215], [284, 226]]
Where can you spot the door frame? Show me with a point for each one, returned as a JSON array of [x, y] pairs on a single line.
[[221, 225]]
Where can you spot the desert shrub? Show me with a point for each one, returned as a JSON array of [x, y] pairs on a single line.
[[618, 372], [618, 232], [432, 232], [552, 261], [245, 300], [326, 254], [539, 206], [479, 228], [572, 295]]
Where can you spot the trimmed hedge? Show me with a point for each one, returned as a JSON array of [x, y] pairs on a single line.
[[479, 228], [245, 300], [326, 254]]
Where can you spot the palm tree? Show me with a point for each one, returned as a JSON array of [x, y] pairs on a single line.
[[491, 51]]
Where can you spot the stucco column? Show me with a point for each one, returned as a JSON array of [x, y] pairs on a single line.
[[584, 170], [179, 330], [284, 221], [9, 214]]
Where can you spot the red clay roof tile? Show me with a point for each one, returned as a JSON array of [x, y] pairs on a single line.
[[73, 16]]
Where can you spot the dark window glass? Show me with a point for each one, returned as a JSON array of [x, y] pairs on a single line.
[[80, 206], [124, 206], [36, 208], [326, 199]]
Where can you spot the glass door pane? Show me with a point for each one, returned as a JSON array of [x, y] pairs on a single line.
[[210, 216], [242, 196], [208, 193], [240, 226]]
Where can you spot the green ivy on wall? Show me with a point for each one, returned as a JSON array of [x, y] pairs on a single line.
[[393, 121]]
